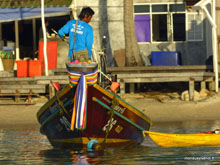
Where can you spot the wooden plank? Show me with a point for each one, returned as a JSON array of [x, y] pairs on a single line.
[[140, 75], [34, 86], [17, 82], [208, 79], [10, 89], [160, 79], [20, 94], [45, 82], [16, 103], [14, 79], [209, 74], [159, 68], [13, 91], [56, 77], [33, 79], [59, 70], [152, 80]]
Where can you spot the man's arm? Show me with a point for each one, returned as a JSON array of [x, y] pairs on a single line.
[[64, 30]]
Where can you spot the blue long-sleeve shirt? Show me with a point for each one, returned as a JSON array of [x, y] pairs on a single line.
[[84, 36]]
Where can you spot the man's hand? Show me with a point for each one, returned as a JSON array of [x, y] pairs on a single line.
[[64, 39]]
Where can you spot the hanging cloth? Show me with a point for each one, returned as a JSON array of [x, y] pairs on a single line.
[[81, 80]]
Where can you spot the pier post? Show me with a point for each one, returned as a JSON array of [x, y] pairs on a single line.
[[191, 89], [122, 87]]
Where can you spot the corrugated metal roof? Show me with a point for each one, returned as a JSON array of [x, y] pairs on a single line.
[[33, 3], [52, 3]]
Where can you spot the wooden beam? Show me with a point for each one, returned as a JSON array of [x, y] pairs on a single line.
[[161, 79], [132, 88], [159, 68], [122, 87], [151, 75], [203, 85]]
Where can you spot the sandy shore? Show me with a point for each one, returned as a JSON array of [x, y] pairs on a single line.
[[178, 110], [18, 116], [166, 110]]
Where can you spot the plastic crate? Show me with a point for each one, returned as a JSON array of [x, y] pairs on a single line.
[[22, 68], [161, 58], [35, 68]]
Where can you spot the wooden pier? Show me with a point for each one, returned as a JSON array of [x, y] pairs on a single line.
[[156, 74], [11, 86]]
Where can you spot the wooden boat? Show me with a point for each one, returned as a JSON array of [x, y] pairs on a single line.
[[109, 120], [185, 140]]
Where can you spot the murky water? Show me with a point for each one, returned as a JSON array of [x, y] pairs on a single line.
[[28, 146]]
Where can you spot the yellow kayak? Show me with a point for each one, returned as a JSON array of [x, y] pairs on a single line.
[[185, 140]]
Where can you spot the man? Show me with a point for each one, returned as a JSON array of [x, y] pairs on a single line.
[[84, 34], [41, 31]]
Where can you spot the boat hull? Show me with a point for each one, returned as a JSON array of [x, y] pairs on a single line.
[[125, 127], [185, 140]]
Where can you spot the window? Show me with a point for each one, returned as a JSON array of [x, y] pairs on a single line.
[[141, 8], [159, 8], [177, 7], [166, 23], [179, 27], [142, 26], [195, 27], [159, 27]]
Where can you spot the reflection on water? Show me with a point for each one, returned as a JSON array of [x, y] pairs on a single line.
[[28, 146]]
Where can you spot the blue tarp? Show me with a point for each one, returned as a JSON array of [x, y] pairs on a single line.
[[12, 14]]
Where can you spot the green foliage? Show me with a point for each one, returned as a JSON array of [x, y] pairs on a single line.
[[7, 55]]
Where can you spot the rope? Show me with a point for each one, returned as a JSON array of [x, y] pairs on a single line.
[[111, 113], [85, 135], [63, 109]]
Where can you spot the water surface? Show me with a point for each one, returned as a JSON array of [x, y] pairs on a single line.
[[28, 146]]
